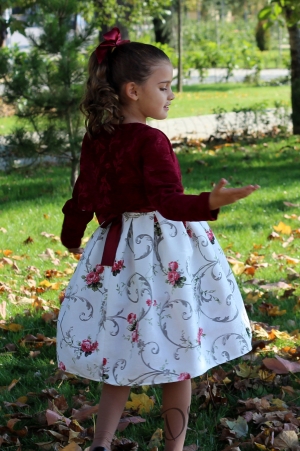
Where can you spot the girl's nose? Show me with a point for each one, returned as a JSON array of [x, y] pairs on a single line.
[[171, 96]]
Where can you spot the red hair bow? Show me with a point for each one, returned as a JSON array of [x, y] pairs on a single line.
[[112, 39]]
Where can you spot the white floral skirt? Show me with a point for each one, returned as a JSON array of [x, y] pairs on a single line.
[[168, 309]]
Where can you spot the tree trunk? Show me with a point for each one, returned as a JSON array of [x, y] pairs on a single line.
[[2, 39], [3, 32], [179, 35], [294, 39]]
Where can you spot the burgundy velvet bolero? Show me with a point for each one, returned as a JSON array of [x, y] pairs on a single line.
[[132, 170]]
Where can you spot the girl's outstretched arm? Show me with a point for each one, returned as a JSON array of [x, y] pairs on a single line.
[[221, 196]]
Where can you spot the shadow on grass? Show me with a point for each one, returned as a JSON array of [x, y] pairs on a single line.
[[40, 184], [269, 169]]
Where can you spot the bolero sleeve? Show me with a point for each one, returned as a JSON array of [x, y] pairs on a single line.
[[79, 210], [162, 180]]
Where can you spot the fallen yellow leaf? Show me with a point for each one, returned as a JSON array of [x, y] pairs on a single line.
[[45, 283], [238, 268], [283, 228], [275, 311], [13, 327], [155, 439], [259, 446], [140, 403]]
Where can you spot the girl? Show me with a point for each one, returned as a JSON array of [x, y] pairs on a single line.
[[153, 300]]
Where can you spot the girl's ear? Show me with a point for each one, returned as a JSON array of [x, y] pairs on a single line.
[[130, 90]]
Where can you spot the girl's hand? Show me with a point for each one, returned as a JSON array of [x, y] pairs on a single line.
[[221, 196], [76, 250]]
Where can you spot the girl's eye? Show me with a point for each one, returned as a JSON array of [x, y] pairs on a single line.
[[163, 89]]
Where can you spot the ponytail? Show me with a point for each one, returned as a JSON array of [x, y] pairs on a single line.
[[100, 105]]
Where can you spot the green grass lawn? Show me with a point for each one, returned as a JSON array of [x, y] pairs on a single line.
[[203, 99], [39, 269]]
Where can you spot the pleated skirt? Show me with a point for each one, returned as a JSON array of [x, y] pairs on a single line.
[[167, 310]]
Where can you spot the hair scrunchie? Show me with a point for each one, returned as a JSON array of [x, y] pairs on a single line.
[[111, 39]]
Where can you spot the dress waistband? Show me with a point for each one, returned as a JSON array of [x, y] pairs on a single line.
[[114, 234]]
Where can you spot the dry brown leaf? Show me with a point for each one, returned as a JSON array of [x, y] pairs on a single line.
[[12, 384], [85, 412], [16, 268], [286, 440], [50, 316], [11, 423], [276, 285], [34, 354], [192, 447], [28, 240], [5, 288], [288, 241], [124, 422], [33, 269], [233, 260], [271, 310], [17, 257], [10, 347], [3, 309], [6, 261], [123, 444], [281, 366], [250, 270], [72, 447], [54, 417], [275, 236], [290, 204]]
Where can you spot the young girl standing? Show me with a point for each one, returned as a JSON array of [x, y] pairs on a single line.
[[153, 299]]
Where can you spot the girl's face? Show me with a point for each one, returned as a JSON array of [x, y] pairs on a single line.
[[153, 97]]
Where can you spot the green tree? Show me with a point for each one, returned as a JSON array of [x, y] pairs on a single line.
[[123, 13], [46, 85], [289, 10]]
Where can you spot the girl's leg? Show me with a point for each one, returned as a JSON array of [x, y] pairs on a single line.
[[111, 406], [176, 406]]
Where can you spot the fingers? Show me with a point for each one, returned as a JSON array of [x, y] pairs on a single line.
[[221, 184], [221, 196]]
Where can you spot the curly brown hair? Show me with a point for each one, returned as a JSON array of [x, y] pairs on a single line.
[[130, 62]]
